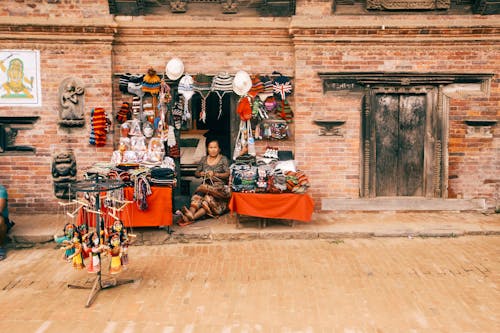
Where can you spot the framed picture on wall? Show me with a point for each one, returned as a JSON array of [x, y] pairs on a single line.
[[20, 78]]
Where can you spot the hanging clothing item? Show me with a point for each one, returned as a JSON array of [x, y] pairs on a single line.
[[285, 111], [125, 113], [185, 88], [99, 127], [257, 86], [242, 83], [282, 86], [244, 108], [222, 84], [268, 87], [201, 85], [151, 82]]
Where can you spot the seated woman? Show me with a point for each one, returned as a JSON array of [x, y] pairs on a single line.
[[214, 168]]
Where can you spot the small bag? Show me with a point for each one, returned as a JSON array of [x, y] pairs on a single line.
[[217, 190]]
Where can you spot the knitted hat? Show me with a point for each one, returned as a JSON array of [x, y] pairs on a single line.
[[127, 78], [270, 104], [201, 85], [151, 82], [174, 69], [244, 108], [268, 87], [282, 86], [285, 111], [124, 113], [257, 86], [258, 109], [242, 83], [99, 127], [202, 82], [222, 82], [165, 95], [135, 89], [136, 104], [185, 88]]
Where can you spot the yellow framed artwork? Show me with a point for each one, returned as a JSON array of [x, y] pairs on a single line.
[[20, 78]]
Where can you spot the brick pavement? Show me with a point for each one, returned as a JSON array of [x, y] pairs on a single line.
[[322, 285]]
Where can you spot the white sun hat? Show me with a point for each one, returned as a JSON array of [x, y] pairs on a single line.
[[174, 69], [242, 83]]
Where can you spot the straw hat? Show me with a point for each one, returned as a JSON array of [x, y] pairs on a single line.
[[242, 83], [174, 69]]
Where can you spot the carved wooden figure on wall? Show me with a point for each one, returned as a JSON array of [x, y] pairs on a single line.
[[71, 93], [63, 174]]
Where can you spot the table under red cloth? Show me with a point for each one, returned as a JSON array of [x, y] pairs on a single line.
[[158, 213], [289, 206]]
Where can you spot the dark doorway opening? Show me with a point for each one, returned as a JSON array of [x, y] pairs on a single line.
[[217, 124]]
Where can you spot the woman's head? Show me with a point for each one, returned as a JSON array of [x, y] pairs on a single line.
[[213, 148]]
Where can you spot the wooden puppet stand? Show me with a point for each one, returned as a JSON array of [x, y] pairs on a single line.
[[100, 284], [98, 186]]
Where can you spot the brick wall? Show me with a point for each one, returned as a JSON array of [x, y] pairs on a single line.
[[28, 177], [64, 8], [82, 40]]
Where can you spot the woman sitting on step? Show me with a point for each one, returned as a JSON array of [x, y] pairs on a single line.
[[212, 196]]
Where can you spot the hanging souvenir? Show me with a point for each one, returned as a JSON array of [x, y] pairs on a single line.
[[171, 137], [77, 256], [282, 86], [115, 265], [244, 108], [95, 247], [135, 127], [242, 83], [138, 143], [151, 82], [257, 86], [268, 87], [201, 85], [174, 69], [185, 88], [222, 84], [148, 129]]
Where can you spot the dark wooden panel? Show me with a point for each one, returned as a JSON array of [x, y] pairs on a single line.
[[386, 122], [411, 145]]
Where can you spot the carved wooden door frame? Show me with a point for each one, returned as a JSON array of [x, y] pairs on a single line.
[[443, 86]]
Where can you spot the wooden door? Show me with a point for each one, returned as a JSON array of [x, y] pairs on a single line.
[[400, 122]]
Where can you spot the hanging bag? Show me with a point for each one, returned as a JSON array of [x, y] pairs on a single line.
[[251, 141], [237, 145]]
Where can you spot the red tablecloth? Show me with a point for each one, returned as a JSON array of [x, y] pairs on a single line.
[[158, 213], [289, 206]]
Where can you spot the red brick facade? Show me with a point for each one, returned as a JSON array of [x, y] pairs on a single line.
[[80, 39]]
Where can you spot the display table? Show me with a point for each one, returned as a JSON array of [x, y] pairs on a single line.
[[289, 206], [158, 213]]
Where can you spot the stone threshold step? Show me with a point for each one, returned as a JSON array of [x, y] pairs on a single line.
[[403, 204]]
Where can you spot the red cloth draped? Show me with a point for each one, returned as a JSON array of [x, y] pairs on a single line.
[[290, 206]]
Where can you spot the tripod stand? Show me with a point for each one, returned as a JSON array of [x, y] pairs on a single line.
[[98, 186]]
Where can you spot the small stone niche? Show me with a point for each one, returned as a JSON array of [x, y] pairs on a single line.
[[479, 128]]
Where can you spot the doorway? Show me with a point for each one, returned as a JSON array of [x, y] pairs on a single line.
[[400, 123], [399, 140]]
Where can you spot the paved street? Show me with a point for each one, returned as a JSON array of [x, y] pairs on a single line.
[[323, 285]]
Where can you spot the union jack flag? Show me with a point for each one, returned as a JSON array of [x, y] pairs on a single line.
[[282, 88]]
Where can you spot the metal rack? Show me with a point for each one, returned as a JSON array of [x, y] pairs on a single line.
[[98, 185]]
